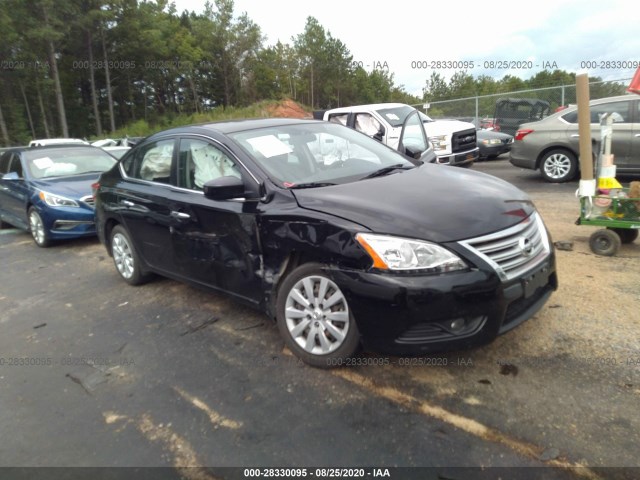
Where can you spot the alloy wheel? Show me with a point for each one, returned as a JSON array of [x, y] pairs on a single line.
[[317, 315]]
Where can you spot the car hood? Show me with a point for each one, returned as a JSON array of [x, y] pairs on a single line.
[[431, 202], [488, 134], [72, 187], [444, 127]]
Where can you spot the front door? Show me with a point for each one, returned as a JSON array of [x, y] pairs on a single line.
[[216, 244]]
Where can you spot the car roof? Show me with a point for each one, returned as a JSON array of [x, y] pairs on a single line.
[[234, 126]]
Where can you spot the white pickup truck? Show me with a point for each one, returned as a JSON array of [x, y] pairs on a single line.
[[453, 142]]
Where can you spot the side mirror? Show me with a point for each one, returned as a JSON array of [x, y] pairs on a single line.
[[11, 176], [224, 188]]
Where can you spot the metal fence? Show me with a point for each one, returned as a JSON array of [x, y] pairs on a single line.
[[509, 109]]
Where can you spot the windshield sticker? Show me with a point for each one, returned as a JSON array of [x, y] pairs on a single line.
[[269, 146], [42, 163], [392, 116]]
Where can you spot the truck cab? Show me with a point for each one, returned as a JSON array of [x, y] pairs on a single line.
[[453, 142]]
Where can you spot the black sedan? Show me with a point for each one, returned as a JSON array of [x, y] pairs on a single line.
[[492, 144], [340, 239]]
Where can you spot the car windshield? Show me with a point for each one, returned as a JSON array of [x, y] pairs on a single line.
[[397, 115], [317, 154], [62, 162]]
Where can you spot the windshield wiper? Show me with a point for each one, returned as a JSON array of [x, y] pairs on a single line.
[[311, 185], [383, 171]]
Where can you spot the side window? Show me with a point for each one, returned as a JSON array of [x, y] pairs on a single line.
[[200, 161], [619, 110], [340, 118], [5, 159], [16, 165], [366, 124], [152, 162]]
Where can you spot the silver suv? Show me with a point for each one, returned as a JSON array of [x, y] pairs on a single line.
[[551, 144]]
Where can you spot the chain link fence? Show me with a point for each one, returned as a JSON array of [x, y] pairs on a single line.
[[506, 111]]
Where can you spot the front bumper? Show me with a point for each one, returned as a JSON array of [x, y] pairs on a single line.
[[413, 315], [458, 159], [68, 222]]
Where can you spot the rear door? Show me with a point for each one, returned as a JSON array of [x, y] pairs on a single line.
[[622, 129], [145, 202], [634, 162]]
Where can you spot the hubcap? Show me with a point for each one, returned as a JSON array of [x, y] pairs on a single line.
[[37, 228], [317, 315], [122, 255], [557, 166]]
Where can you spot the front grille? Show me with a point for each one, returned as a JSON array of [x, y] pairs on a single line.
[[89, 200], [515, 250], [463, 140]]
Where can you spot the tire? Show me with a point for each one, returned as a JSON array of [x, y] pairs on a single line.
[[125, 257], [38, 232], [322, 334], [604, 242], [558, 166], [627, 235]]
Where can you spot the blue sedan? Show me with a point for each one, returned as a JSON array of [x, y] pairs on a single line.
[[47, 190]]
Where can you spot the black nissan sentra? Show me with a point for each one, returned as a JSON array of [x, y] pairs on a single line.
[[340, 239]]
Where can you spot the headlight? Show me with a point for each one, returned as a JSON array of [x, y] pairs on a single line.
[[56, 200], [394, 253], [439, 142], [492, 141]]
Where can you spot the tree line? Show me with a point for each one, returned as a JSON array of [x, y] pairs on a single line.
[[84, 68]]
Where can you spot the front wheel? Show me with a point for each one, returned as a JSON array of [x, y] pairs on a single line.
[[558, 166], [36, 225], [125, 257], [314, 318]]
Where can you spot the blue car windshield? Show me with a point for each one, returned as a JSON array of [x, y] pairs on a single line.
[[62, 162]]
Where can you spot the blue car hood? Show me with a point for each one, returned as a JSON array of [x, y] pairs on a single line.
[[432, 202], [74, 187]]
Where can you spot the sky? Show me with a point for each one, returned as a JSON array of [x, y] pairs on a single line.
[[413, 38]]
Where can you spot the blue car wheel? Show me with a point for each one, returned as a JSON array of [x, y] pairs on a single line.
[[36, 225]]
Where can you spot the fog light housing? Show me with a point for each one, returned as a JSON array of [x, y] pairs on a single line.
[[457, 324]]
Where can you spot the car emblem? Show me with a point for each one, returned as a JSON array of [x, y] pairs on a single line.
[[525, 246]]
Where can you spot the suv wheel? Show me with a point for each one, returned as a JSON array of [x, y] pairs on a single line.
[[314, 318], [558, 166]]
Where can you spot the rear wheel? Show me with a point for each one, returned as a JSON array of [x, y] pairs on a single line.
[[314, 318], [36, 225], [558, 166], [125, 257], [604, 242], [627, 235]]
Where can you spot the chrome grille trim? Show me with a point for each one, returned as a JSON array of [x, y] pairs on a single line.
[[515, 250]]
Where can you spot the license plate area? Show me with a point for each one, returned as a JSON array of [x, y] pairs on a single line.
[[539, 278]]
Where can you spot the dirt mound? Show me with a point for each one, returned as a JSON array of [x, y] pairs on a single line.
[[287, 108]]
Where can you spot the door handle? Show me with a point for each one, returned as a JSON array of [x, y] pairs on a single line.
[[127, 203], [637, 135], [575, 135], [180, 215]]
